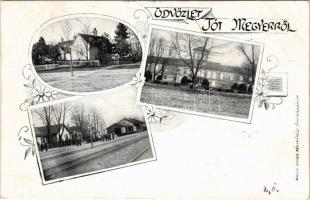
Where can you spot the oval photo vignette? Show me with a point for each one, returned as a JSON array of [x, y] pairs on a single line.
[[83, 54]]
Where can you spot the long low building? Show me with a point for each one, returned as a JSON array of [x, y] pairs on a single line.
[[126, 126], [218, 76]]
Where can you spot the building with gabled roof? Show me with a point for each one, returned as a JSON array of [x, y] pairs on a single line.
[[55, 132], [126, 126], [83, 46]]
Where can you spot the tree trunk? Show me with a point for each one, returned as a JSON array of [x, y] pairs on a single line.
[[71, 69], [193, 82], [154, 72], [48, 135]]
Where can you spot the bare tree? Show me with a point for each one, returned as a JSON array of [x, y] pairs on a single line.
[[84, 48], [165, 62], [156, 53], [251, 54], [185, 45], [66, 29], [77, 117], [59, 116], [135, 49], [93, 123], [45, 115]]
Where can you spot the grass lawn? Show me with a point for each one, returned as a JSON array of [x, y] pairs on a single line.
[[232, 105], [92, 79]]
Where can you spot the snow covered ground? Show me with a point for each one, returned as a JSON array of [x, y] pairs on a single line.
[[91, 80]]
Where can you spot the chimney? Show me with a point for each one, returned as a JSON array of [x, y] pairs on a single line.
[[62, 39], [74, 37], [95, 32]]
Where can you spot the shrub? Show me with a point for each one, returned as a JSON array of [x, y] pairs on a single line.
[[234, 87], [205, 84], [148, 75], [242, 88], [159, 78], [250, 89], [184, 80]]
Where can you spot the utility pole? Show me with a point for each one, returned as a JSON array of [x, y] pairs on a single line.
[[89, 127], [91, 138]]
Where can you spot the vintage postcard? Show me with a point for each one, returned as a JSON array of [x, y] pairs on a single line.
[[154, 100]]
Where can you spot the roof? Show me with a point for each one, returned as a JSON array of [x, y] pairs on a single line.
[[175, 62], [65, 44], [75, 128], [134, 121], [92, 39], [42, 131]]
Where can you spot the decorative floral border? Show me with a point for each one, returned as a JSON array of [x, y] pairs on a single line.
[[24, 140], [261, 91], [36, 91], [154, 114], [142, 24], [138, 80]]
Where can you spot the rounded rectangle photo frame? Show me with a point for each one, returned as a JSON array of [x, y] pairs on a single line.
[[200, 74]]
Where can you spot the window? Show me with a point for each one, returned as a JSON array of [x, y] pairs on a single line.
[[221, 75], [201, 73], [214, 75], [123, 130], [213, 83], [197, 56], [231, 77], [241, 78], [208, 74]]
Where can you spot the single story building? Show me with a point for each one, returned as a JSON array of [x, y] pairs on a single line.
[[126, 126], [55, 133]]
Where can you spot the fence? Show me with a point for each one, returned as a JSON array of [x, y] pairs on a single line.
[[119, 61], [83, 63], [46, 67], [78, 63], [202, 102]]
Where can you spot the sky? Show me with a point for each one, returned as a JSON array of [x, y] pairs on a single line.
[[53, 32], [227, 52], [112, 107]]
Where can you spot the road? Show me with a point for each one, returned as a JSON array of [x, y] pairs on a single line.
[[69, 161]]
